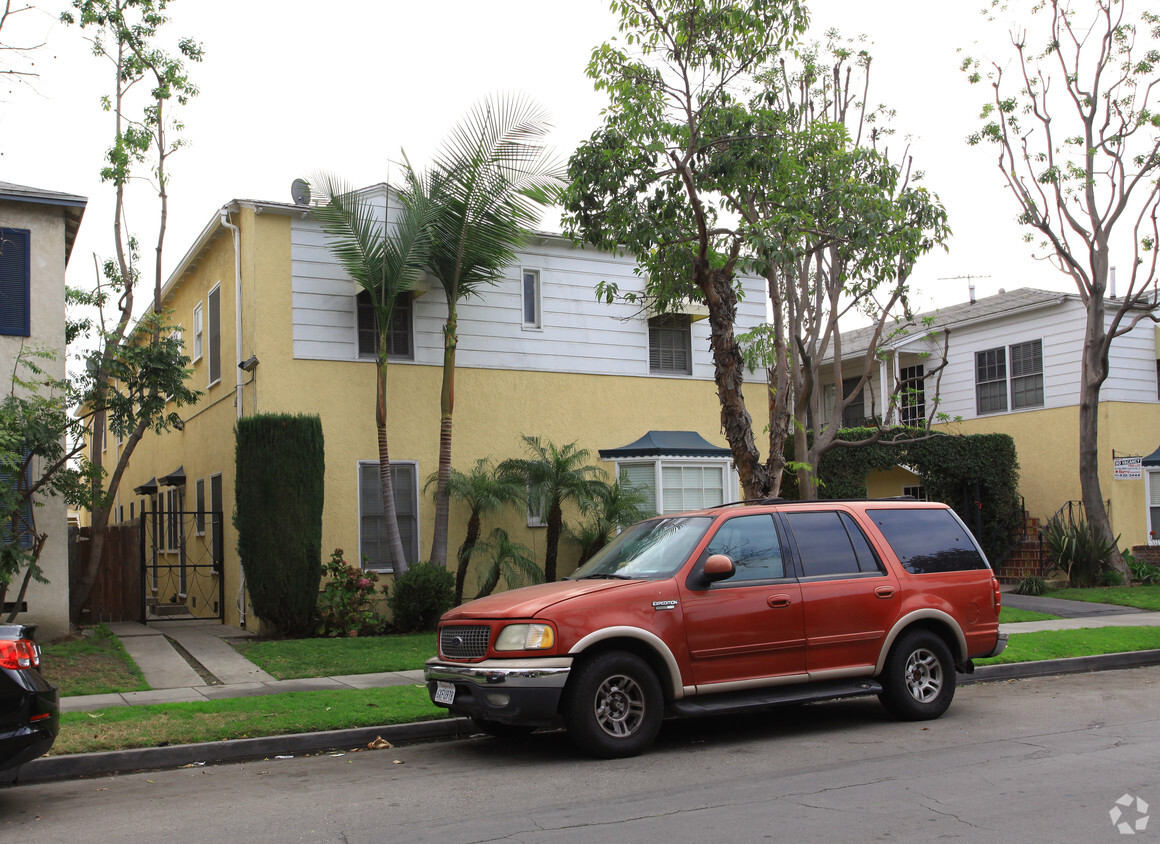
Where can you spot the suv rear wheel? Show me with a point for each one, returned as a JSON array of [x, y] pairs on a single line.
[[613, 707], [918, 679]]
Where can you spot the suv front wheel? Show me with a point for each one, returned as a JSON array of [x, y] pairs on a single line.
[[613, 706], [918, 679]]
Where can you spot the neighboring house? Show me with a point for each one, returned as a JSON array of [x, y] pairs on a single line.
[[1013, 367], [37, 230], [274, 325]]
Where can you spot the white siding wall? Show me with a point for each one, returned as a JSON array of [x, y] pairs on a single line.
[[579, 334], [1061, 329]]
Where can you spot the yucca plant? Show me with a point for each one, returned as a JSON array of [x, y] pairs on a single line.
[[1077, 549]]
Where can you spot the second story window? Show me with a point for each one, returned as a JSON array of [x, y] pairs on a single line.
[[912, 398], [999, 387], [15, 283], [198, 321], [531, 299], [399, 339], [670, 345]]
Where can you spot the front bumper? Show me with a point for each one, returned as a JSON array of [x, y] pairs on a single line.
[[508, 691]]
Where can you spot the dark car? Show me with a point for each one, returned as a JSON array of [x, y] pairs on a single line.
[[29, 709]]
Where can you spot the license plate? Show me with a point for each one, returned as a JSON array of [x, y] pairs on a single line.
[[444, 692]]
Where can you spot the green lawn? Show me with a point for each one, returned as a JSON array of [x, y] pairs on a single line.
[[290, 659], [1058, 644], [96, 664], [1011, 615], [1141, 597], [118, 728]]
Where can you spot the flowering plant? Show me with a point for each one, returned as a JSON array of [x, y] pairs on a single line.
[[346, 606]]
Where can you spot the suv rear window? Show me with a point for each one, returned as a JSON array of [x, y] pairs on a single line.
[[928, 541]]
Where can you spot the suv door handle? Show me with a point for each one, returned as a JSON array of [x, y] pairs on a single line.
[[776, 601], [884, 591]]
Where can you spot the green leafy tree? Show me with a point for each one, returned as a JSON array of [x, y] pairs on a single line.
[[489, 182], [554, 476], [508, 560], [39, 437], [385, 258], [485, 491], [836, 227], [1082, 167], [610, 508], [639, 182], [135, 380]]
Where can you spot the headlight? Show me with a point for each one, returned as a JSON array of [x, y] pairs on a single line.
[[525, 637]]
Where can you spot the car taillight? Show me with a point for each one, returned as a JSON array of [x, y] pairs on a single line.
[[19, 653], [998, 594]]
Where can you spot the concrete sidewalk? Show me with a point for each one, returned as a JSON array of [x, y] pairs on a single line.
[[209, 668]]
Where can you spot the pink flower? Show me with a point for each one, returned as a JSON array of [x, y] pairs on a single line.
[[364, 584]]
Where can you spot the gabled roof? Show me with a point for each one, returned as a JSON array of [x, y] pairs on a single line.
[[667, 444], [74, 207], [1002, 304]]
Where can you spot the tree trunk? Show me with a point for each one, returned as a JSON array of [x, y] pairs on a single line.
[[386, 482], [729, 374], [552, 540], [465, 554], [1093, 373], [446, 413]]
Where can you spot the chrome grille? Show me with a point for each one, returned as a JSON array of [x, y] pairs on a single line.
[[464, 641]]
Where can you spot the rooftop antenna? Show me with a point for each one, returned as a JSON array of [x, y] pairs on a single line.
[[970, 282]]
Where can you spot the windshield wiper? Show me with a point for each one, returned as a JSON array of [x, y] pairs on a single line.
[[608, 576]]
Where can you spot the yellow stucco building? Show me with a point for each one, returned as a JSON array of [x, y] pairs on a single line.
[[274, 325]]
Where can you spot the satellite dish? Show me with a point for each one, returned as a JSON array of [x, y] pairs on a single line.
[[300, 190]]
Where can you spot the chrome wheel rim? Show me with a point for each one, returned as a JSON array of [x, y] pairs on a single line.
[[619, 706], [924, 675]]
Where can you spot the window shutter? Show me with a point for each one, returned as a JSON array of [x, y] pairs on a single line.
[[215, 336], [15, 281]]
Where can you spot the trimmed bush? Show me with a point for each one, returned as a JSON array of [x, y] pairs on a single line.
[[420, 596], [278, 514]]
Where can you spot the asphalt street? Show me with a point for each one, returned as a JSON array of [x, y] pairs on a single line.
[[1043, 759]]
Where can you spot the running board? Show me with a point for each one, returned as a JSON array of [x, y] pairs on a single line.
[[770, 696]]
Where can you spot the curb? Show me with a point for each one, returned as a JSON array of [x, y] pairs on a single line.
[[83, 765]]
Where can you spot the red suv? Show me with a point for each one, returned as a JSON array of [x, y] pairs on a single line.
[[734, 608]]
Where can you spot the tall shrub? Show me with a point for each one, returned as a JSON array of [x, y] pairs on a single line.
[[279, 494]]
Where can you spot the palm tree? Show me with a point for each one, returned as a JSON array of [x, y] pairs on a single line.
[[554, 475], [490, 181], [612, 506], [484, 491], [509, 559], [385, 262]]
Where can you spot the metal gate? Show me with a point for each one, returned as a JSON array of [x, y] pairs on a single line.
[[181, 565]]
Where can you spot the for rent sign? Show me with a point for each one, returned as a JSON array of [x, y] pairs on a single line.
[[1129, 468]]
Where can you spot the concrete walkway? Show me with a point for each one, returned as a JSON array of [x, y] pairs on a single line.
[[217, 670]]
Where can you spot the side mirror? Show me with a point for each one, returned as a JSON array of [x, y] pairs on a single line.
[[718, 567]]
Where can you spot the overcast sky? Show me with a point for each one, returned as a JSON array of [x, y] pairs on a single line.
[[289, 88]]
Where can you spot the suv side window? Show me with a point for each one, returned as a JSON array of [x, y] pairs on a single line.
[[831, 544], [928, 541], [753, 545]]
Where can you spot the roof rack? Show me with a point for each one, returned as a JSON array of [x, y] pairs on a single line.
[[756, 501]]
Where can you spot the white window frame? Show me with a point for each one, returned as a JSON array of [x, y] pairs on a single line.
[[535, 514], [537, 303], [917, 491], [198, 329], [1152, 493], [415, 501], [729, 479], [660, 370]]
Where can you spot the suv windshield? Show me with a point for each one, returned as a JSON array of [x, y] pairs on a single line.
[[650, 550]]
